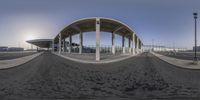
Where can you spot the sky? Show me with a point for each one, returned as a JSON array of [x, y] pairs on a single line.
[[166, 22]]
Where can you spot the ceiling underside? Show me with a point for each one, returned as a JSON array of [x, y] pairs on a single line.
[[42, 43]]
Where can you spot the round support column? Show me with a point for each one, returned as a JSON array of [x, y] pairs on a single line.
[[123, 47], [63, 45], [52, 45], [60, 43], [70, 43], [97, 39], [129, 45], [133, 42], [81, 43], [113, 43], [137, 45]]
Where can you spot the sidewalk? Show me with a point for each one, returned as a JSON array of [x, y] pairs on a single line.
[[4, 64], [88, 58], [188, 64]]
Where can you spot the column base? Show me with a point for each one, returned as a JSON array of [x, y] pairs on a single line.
[[80, 50], [123, 50], [196, 61], [129, 50], [113, 50], [133, 51]]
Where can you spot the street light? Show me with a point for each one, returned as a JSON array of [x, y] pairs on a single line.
[[195, 47]]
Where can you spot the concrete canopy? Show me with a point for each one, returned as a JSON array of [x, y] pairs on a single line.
[[42, 43], [88, 25]]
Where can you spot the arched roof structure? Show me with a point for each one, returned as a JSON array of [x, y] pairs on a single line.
[[88, 25], [42, 43]]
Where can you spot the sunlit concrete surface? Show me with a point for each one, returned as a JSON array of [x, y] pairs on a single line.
[[178, 62], [4, 64], [90, 57], [14, 55], [180, 55]]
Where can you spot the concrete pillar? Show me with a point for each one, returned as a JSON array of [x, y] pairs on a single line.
[[140, 47], [37, 49], [31, 47], [63, 45], [97, 39], [137, 45], [59, 47], [113, 43], [70, 43], [52, 45], [129, 45], [81, 42], [133, 42], [123, 47]]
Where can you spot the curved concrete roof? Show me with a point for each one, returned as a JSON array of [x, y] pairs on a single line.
[[89, 24], [43, 43]]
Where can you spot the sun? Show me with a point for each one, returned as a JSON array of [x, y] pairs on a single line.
[[30, 36]]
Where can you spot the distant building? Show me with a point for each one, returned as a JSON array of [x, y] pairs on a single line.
[[31, 49], [3, 48], [15, 49], [154, 48], [198, 48]]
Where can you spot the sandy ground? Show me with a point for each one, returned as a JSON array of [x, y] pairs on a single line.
[[49, 77]]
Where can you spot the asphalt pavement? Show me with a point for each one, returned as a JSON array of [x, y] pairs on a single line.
[[50, 77]]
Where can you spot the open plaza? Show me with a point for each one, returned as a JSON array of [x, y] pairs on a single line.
[[53, 50]]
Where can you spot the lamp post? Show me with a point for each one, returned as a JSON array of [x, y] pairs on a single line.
[[195, 47]]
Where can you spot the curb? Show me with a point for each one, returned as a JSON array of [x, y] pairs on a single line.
[[94, 62], [186, 64], [5, 64]]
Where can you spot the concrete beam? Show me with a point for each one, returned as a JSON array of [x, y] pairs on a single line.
[[118, 29], [76, 28], [97, 39]]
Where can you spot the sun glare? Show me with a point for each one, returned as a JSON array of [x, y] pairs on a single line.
[[30, 36]]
